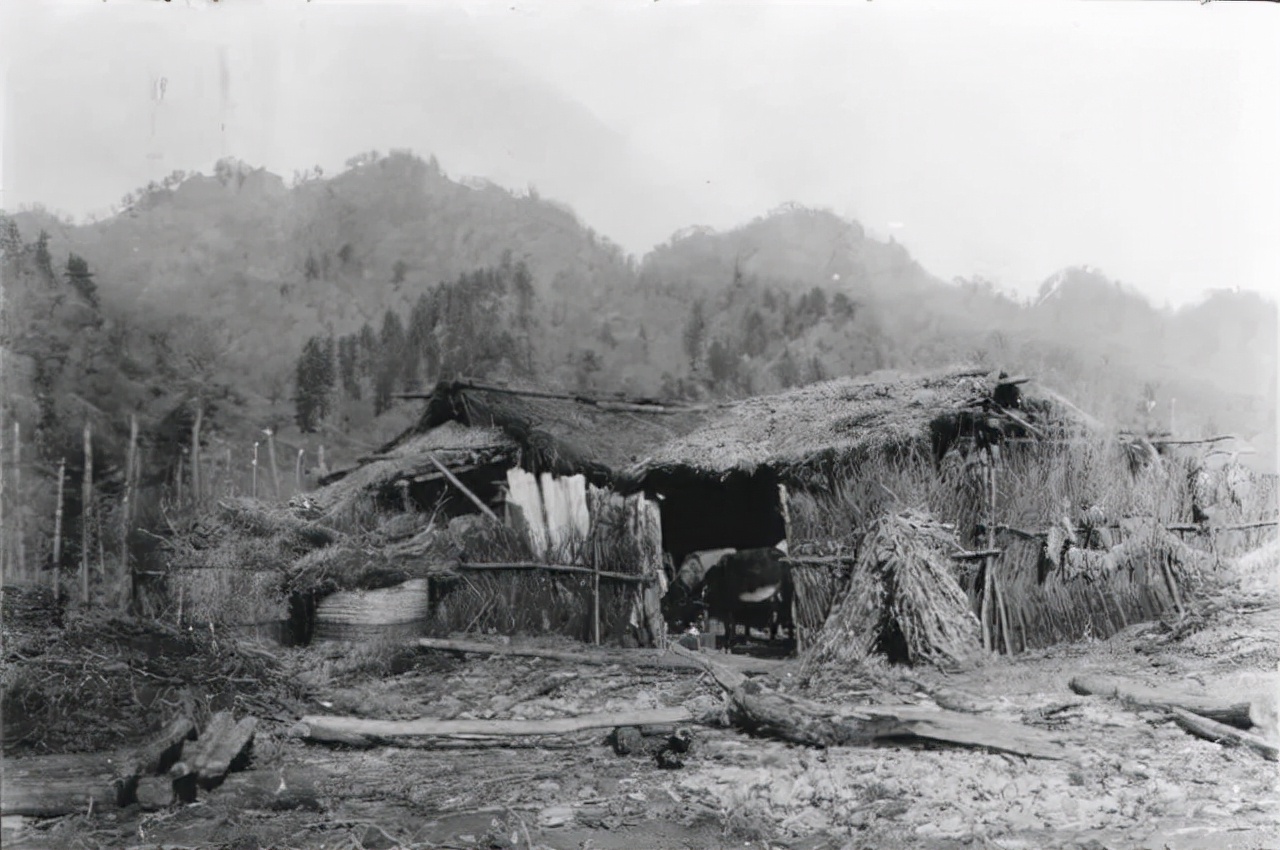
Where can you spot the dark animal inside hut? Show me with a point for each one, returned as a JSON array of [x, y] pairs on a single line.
[[681, 605], [752, 588]]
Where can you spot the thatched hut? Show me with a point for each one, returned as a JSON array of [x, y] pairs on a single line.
[[720, 484], [478, 432]]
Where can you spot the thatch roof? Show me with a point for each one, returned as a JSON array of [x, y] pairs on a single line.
[[543, 431], [835, 420], [452, 443]]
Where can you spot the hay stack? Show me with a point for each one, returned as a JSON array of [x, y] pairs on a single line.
[[902, 600]]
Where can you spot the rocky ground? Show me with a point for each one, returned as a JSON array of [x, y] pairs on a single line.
[[1135, 779]]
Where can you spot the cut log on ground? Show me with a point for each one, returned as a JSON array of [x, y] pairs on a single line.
[[165, 748], [759, 710], [631, 657], [223, 747], [321, 728], [155, 792], [1146, 696], [48, 786], [275, 789], [1221, 733]]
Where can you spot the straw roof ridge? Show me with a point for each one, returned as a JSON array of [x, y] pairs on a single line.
[[833, 420]]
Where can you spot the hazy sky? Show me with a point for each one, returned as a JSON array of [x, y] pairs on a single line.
[[1005, 139]]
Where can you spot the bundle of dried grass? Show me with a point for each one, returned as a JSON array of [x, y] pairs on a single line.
[[902, 601]]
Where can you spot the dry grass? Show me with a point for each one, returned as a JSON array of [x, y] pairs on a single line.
[[902, 600]]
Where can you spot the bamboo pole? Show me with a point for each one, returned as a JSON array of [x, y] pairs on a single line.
[[86, 501], [988, 588], [196, 491], [57, 529], [595, 593], [271, 458], [18, 531], [126, 510]]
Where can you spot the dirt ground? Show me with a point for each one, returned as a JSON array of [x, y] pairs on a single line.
[[1136, 780]]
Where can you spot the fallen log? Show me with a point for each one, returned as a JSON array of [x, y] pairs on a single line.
[[276, 789], [47, 786], [633, 657], [1221, 733], [320, 728], [762, 711], [1146, 696], [165, 749]]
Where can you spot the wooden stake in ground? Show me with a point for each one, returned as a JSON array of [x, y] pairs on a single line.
[[57, 529], [86, 503], [196, 491], [595, 594], [18, 534], [297, 472], [254, 492], [271, 458]]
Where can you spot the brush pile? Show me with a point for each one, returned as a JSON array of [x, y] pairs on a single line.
[[902, 601]]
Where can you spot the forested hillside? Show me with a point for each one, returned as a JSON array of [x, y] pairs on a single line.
[[318, 300]]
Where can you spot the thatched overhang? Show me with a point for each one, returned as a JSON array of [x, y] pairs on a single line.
[[794, 436], [563, 434]]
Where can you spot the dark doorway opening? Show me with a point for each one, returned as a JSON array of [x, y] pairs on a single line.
[[742, 511]]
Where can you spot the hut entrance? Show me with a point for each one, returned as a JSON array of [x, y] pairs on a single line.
[[741, 511]]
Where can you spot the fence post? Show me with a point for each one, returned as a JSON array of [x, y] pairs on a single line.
[[271, 457], [196, 492]]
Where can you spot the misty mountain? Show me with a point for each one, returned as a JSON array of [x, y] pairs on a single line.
[[252, 268]]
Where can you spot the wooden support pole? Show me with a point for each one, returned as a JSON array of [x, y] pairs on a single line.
[[297, 471], [57, 528], [19, 535], [988, 589], [86, 503], [453, 479], [271, 458], [254, 492], [595, 593]]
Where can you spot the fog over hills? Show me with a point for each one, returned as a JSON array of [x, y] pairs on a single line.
[[237, 270]]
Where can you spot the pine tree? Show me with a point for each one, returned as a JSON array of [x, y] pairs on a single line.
[[79, 276]]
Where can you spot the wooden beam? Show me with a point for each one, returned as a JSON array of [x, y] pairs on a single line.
[[555, 568], [317, 727], [453, 479], [742, 664]]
